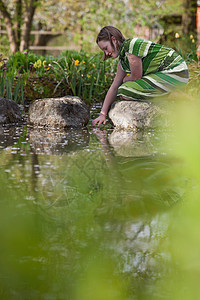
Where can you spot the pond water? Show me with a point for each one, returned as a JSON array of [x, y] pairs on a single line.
[[85, 213]]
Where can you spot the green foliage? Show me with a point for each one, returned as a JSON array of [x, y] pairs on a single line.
[[11, 87], [185, 45], [194, 80], [4, 45], [23, 62], [2, 85], [81, 20], [184, 242], [188, 48], [86, 75], [72, 72]]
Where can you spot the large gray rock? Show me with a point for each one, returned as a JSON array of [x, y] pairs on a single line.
[[134, 115], [9, 112], [63, 112]]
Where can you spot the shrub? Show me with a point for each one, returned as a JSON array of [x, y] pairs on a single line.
[[75, 73]]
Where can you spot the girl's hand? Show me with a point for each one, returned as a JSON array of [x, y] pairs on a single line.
[[98, 121], [100, 133]]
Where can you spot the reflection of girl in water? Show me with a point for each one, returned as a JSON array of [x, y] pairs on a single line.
[[145, 70], [148, 181]]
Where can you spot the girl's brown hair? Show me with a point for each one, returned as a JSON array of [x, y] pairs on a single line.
[[106, 34]]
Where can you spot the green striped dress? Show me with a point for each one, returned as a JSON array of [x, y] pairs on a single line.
[[163, 70]]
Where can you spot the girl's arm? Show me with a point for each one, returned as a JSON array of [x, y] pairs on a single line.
[[110, 96], [135, 63]]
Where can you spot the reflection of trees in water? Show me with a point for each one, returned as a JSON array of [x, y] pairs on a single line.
[[27, 143], [118, 201], [101, 201], [151, 180], [145, 184], [140, 247], [54, 142], [140, 189]]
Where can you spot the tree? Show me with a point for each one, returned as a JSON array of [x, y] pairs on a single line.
[[189, 16], [82, 19], [125, 15], [18, 16]]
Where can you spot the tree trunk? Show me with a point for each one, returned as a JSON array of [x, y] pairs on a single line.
[[189, 16], [42, 40], [9, 27], [18, 21], [25, 37]]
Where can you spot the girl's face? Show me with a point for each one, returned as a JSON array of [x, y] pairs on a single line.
[[107, 47]]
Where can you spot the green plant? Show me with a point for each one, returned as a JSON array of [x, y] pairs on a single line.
[[11, 87], [27, 62], [77, 73], [87, 76], [2, 85]]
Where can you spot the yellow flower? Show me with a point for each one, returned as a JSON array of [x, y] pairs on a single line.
[[38, 64], [177, 35], [193, 40], [76, 62], [44, 63], [128, 74], [47, 69], [191, 37], [88, 76], [83, 62]]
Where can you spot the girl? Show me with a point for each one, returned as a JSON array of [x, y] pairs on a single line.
[[145, 70]]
